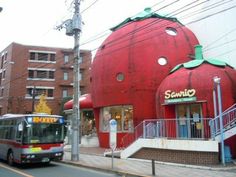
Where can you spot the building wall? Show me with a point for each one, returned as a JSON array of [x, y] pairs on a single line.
[[176, 156], [16, 67]]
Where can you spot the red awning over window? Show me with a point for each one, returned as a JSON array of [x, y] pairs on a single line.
[[85, 101]]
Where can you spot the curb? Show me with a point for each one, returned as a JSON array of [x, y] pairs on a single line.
[[220, 168], [123, 173]]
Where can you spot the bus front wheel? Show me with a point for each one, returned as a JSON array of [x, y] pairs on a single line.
[[10, 158]]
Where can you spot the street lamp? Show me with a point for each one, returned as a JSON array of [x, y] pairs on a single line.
[[216, 80]]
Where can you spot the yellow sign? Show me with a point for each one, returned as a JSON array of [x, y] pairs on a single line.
[[185, 93], [45, 119], [36, 149]]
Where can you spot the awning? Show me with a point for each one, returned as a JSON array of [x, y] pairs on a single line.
[[85, 102]]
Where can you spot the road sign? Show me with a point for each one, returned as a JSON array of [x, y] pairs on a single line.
[[113, 133]]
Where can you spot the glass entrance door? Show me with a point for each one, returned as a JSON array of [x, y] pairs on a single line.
[[182, 121], [196, 121], [189, 121]]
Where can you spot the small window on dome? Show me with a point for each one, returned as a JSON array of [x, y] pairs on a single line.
[[162, 61], [171, 31], [120, 77]]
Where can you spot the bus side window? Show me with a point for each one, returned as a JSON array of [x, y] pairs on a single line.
[[19, 132]]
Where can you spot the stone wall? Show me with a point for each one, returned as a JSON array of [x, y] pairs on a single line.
[[176, 156]]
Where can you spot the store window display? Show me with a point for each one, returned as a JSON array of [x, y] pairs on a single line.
[[122, 114]]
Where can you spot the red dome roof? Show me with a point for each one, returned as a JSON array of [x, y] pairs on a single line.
[[134, 59], [85, 101], [200, 79]]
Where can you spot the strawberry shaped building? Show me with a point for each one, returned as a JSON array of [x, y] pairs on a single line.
[[188, 92], [129, 67]]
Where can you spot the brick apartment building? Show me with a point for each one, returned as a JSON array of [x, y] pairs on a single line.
[[26, 72]]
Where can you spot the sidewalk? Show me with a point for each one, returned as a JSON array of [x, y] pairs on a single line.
[[92, 157]]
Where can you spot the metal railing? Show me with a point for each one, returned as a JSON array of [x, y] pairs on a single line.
[[228, 118], [171, 129]]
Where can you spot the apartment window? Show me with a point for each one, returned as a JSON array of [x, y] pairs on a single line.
[[65, 76], [66, 58], [52, 57], [64, 93], [42, 56], [39, 91], [32, 56], [2, 92], [50, 92], [2, 60], [5, 56], [31, 74], [40, 74], [51, 74], [4, 74]]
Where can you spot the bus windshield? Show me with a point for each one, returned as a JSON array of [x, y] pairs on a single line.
[[43, 133]]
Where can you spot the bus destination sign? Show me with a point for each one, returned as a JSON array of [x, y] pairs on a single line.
[[49, 120]]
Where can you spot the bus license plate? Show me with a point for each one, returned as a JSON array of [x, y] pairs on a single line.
[[45, 159]]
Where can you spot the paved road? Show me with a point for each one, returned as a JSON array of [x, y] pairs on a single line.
[[52, 170]]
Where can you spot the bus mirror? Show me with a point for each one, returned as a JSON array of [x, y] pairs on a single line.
[[20, 127]]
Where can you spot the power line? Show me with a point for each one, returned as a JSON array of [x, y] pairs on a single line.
[[163, 32], [21, 76], [152, 23], [221, 37], [146, 25], [117, 49], [222, 44], [225, 53], [206, 8], [106, 32], [46, 63], [140, 28], [89, 6], [149, 24], [216, 13]]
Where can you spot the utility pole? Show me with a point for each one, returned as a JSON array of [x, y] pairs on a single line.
[[73, 28], [216, 80], [76, 26]]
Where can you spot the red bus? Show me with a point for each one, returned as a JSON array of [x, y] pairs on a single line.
[[31, 138]]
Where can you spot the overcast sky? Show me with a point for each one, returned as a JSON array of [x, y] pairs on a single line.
[[33, 22]]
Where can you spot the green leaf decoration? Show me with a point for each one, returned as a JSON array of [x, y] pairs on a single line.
[[216, 62], [147, 13], [192, 64], [176, 67]]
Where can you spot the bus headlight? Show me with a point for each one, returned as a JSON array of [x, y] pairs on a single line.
[[58, 154], [30, 156]]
